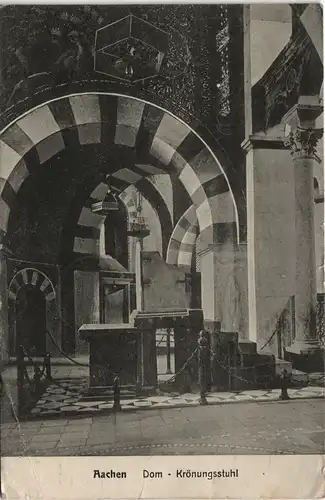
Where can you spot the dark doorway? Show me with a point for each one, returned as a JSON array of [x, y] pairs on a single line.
[[31, 320]]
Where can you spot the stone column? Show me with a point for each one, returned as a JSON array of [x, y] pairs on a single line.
[[302, 141], [270, 234], [138, 274]]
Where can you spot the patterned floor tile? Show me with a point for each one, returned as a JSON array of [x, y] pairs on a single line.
[[164, 405], [70, 408], [304, 394], [140, 404], [131, 401], [257, 393], [90, 409], [55, 397], [89, 403], [58, 391], [223, 395], [48, 406], [105, 405], [189, 395], [159, 399]]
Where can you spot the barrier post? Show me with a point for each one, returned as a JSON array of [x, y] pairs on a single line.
[[203, 355], [284, 385], [117, 395]]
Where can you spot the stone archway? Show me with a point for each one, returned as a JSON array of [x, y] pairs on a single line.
[[161, 143], [147, 139], [31, 293]]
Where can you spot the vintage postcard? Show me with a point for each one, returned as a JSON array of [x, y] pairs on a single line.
[[162, 251]]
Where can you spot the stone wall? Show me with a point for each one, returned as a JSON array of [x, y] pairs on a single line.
[[86, 301], [164, 286]]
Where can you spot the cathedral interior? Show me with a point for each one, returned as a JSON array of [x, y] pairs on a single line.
[[162, 162]]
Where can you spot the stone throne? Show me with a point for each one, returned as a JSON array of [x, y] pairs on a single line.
[[129, 349]]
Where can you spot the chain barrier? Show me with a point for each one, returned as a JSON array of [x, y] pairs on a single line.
[[173, 377], [229, 371], [270, 339], [65, 354]]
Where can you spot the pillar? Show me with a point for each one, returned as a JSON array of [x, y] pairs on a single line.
[[302, 141], [138, 274], [224, 287], [270, 234]]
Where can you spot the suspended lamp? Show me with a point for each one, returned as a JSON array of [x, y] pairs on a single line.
[[107, 205], [137, 226], [130, 49]]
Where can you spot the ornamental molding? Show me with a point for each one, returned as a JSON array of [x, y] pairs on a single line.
[[303, 142]]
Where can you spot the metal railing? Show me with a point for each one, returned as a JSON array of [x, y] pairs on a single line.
[[32, 377]]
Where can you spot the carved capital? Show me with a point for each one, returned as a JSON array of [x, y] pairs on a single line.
[[303, 142]]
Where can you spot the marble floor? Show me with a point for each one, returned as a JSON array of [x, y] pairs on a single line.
[[64, 398]]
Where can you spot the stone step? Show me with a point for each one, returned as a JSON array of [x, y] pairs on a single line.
[[281, 364], [296, 376], [299, 377]]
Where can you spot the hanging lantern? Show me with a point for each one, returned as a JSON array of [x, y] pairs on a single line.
[[137, 226], [130, 49], [107, 205]]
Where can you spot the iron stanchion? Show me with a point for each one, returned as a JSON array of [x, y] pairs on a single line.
[[117, 395], [284, 385], [47, 364], [168, 371], [203, 355]]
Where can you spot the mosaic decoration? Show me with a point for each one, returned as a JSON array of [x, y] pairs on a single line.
[[194, 76]]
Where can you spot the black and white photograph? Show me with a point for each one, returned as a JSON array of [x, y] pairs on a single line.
[[161, 232]]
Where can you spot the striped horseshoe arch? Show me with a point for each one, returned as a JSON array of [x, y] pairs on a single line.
[[182, 241], [160, 143], [34, 277], [89, 223]]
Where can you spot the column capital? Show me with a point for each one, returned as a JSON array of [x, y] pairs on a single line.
[[304, 113], [303, 142]]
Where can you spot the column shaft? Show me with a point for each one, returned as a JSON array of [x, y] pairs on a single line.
[[138, 275], [305, 290]]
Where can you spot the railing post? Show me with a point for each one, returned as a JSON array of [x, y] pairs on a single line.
[[168, 371], [284, 385], [203, 356], [117, 395], [47, 364]]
